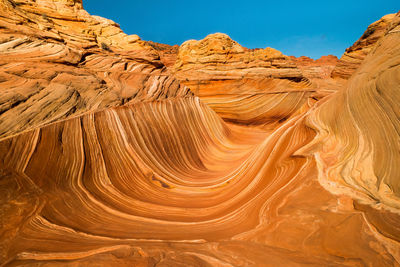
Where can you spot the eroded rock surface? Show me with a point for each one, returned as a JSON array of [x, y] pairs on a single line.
[[320, 68], [106, 159], [354, 55], [57, 61], [168, 53], [252, 87], [359, 149]]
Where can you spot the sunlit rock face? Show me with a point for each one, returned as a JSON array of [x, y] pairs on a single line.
[[168, 53], [258, 87], [360, 148], [320, 68], [57, 61], [252, 87], [108, 159], [354, 55]]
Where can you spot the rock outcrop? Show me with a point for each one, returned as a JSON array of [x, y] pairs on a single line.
[[218, 56], [108, 159], [320, 68], [57, 61], [168, 182], [359, 150], [354, 55], [168, 53], [245, 86]]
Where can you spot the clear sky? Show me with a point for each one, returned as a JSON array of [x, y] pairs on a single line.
[[309, 28]]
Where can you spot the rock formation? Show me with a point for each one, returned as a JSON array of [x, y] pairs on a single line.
[[365, 155], [316, 69], [58, 61], [107, 158], [354, 55], [252, 87], [168, 53]]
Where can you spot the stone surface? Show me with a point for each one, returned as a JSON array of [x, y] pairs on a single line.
[[168, 53], [57, 61], [106, 159], [220, 57], [244, 86], [354, 55], [320, 68], [359, 149]]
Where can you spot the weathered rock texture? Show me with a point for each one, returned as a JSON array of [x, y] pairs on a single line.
[[354, 55], [107, 160], [359, 150], [316, 69], [168, 53], [251, 86], [57, 61]]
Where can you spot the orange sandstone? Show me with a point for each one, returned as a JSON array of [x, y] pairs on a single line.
[[108, 159]]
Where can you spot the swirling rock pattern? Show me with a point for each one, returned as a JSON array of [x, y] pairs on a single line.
[[360, 148], [354, 55], [106, 159], [320, 68], [259, 87]]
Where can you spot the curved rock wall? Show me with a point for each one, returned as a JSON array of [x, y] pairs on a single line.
[[252, 87], [107, 159], [169, 182], [57, 61], [360, 147], [354, 55]]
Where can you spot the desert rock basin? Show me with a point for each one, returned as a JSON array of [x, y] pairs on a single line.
[[116, 151]]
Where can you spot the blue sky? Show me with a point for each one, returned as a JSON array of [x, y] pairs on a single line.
[[309, 28]]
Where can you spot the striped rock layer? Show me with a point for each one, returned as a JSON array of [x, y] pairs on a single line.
[[57, 62], [354, 55], [108, 159], [259, 87]]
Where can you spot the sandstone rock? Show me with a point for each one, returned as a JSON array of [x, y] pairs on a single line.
[[168, 181], [168, 53], [358, 151], [354, 55], [58, 61], [220, 57], [320, 68], [106, 159], [242, 85]]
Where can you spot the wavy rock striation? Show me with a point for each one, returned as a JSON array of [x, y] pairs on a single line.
[[252, 87], [354, 55], [259, 87], [107, 159], [360, 148], [57, 61]]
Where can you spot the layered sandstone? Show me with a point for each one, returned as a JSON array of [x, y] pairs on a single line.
[[58, 61], [242, 85], [168, 53], [218, 56], [169, 183], [107, 160], [354, 55], [358, 151], [320, 68]]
